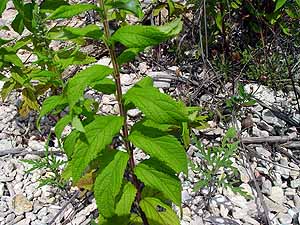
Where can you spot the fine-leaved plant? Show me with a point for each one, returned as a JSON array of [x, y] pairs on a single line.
[[216, 169]]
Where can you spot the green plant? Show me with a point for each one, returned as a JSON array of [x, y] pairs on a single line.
[[46, 71], [125, 192], [51, 164], [241, 99], [217, 168]]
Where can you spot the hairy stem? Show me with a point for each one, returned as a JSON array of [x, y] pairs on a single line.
[[116, 74]]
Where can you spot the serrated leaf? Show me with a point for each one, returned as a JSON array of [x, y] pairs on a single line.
[[69, 33], [139, 36], [128, 55], [157, 106], [51, 5], [30, 99], [81, 80], [108, 184], [169, 185], [99, 133], [2, 6], [43, 75], [155, 216], [115, 220], [76, 123], [132, 6], [67, 58], [279, 4], [18, 24], [8, 55], [160, 145], [50, 104], [70, 141], [61, 124], [68, 11], [123, 207], [7, 88], [106, 86]]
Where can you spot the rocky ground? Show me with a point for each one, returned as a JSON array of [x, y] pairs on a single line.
[[277, 173], [269, 171]]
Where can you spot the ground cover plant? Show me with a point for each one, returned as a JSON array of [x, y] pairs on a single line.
[[125, 192]]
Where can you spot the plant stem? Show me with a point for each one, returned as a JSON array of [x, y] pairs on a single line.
[[116, 74]]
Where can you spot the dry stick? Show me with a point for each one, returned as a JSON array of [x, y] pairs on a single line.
[[117, 78], [256, 155], [270, 139], [259, 193], [22, 151], [63, 208]]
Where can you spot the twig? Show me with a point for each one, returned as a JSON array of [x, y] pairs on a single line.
[[265, 215], [22, 151], [270, 139], [63, 208], [256, 155]]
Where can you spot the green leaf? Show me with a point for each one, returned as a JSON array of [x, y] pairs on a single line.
[[128, 55], [157, 106], [145, 82], [298, 2], [81, 80], [171, 7], [70, 141], [2, 6], [219, 19], [99, 133], [160, 145], [123, 207], [61, 124], [108, 184], [166, 216], [50, 104], [71, 57], [51, 5], [185, 134], [279, 4], [169, 185], [106, 86], [68, 11], [138, 36], [69, 33], [27, 14], [21, 43], [76, 123], [43, 75], [8, 55], [132, 6], [18, 24], [7, 88]]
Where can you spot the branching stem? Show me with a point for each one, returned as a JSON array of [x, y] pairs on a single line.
[[117, 78]]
